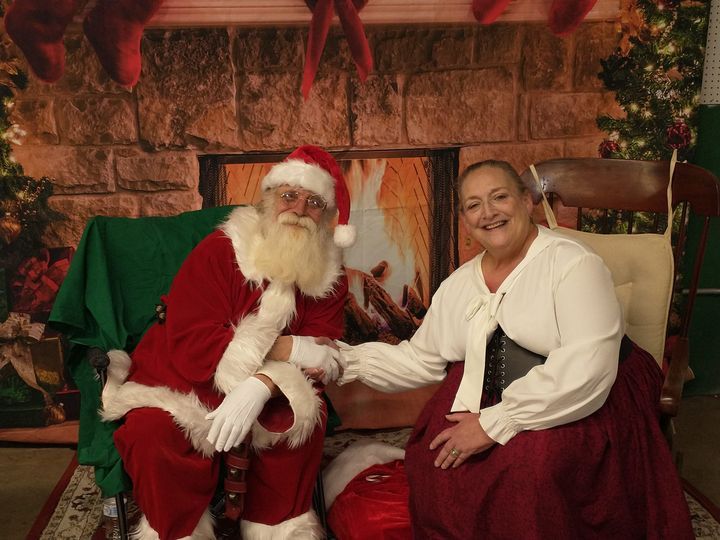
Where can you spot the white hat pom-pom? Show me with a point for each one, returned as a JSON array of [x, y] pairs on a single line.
[[344, 235]]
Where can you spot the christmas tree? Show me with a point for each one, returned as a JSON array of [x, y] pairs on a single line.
[[656, 74], [24, 210]]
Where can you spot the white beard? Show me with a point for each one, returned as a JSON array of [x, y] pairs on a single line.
[[293, 250]]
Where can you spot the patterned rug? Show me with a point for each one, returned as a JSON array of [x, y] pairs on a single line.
[[78, 507]]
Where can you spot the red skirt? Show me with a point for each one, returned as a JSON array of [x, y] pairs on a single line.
[[609, 475]]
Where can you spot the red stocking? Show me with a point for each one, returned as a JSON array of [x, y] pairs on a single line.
[[486, 11], [114, 28], [37, 27], [566, 15], [347, 11]]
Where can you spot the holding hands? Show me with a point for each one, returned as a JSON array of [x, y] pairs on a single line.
[[315, 355], [234, 417], [460, 441]]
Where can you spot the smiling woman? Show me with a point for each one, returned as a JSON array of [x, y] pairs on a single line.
[[545, 422], [495, 210]]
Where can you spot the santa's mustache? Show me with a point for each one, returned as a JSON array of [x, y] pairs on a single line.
[[290, 218]]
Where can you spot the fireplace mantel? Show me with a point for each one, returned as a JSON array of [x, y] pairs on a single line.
[[193, 13]]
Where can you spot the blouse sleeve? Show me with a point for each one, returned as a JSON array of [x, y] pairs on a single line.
[[419, 361], [577, 376]]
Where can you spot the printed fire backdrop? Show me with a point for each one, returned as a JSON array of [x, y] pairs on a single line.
[[389, 265]]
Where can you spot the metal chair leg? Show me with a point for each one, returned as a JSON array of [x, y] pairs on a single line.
[[122, 516], [318, 501]]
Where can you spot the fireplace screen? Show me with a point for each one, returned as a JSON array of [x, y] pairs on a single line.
[[403, 209]]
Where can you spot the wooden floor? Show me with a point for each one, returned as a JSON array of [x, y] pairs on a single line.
[[361, 407]]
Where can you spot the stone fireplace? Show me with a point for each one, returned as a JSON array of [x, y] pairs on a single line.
[[511, 91]]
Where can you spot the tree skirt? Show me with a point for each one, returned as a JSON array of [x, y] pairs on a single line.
[[78, 509]]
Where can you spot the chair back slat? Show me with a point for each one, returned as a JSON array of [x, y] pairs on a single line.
[[622, 184]]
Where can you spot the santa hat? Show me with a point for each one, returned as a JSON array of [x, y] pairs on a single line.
[[313, 169]]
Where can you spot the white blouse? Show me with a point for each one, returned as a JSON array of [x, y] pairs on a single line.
[[558, 302]]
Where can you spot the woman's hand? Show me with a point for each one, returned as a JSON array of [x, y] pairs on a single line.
[[460, 441]]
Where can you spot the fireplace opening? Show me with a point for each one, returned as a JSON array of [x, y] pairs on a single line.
[[404, 208]]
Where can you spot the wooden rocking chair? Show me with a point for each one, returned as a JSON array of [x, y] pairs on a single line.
[[644, 263]]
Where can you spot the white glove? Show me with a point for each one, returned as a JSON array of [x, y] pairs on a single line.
[[234, 417], [306, 354]]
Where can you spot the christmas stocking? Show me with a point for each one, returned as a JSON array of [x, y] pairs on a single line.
[[114, 28], [486, 11], [37, 28], [347, 12], [566, 15]]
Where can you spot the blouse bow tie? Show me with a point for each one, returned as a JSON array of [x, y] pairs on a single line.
[[347, 11]]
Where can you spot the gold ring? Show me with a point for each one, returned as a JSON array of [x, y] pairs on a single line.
[[454, 452]]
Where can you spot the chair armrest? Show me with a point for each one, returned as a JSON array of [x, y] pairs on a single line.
[[675, 378], [100, 361]]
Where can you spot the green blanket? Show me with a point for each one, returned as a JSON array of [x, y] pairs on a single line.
[[121, 268]]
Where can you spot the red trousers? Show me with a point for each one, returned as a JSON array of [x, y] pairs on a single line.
[[173, 484]]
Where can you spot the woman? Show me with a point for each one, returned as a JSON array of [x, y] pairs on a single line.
[[545, 425]]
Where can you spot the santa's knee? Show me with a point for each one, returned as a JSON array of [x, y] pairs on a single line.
[[150, 429]]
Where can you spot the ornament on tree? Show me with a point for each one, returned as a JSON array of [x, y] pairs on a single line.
[[607, 148], [668, 4], [347, 11], [10, 229], [113, 27], [679, 135]]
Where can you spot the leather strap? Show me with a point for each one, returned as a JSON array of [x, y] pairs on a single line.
[[237, 464]]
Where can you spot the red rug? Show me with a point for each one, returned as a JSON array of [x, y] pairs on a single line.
[[706, 503], [74, 508]]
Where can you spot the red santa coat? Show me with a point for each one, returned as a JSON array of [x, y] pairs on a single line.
[[223, 316]]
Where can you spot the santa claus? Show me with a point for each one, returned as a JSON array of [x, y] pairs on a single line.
[[232, 357]]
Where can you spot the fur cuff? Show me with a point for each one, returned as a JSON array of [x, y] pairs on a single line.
[[306, 405], [120, 397], [303, 527], [254, 337], [205, 529]]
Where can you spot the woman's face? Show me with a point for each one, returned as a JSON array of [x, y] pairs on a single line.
[[494, 211]]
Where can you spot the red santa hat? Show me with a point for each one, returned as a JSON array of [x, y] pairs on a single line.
[[312, 168]]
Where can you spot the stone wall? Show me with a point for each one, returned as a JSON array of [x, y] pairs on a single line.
[[509, 91]]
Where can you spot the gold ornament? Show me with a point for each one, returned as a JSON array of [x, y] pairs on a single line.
[[10, 229]]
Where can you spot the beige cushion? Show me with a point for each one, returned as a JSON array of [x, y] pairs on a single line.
[[642, 270]]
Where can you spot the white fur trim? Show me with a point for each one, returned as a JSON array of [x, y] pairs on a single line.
[[143, 531], [120, 397], [352, 461], [205, 529], [303, 527], [254, 336], [344, 235], [243, 229], [295, 172], [304, 401]]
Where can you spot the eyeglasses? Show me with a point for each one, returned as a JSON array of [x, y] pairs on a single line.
[[315, 202]]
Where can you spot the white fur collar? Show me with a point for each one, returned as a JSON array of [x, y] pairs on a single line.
[[243, 229]]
